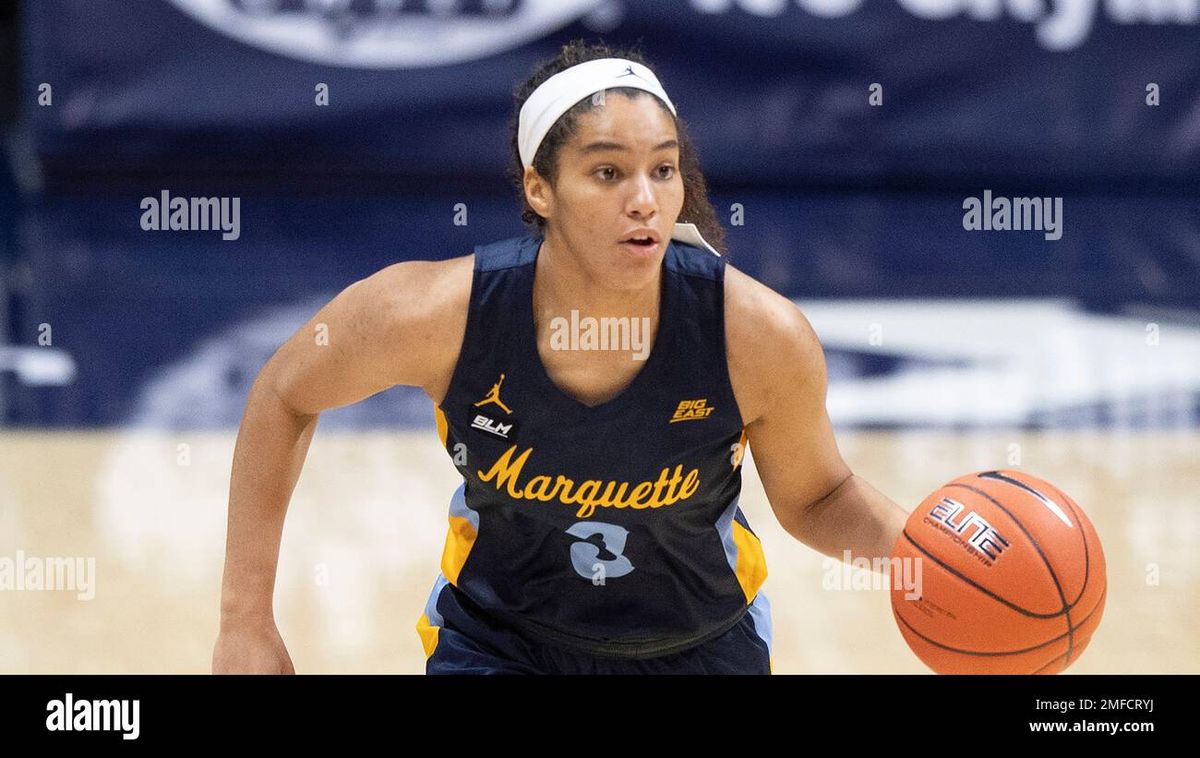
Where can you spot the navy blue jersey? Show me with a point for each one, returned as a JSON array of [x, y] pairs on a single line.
[[613, 529]]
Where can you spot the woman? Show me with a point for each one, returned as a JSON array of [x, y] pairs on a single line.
[[597, 528]]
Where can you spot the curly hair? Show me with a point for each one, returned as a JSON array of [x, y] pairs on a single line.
[[696, 207]]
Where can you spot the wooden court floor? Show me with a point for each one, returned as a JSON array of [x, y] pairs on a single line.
[[366, 526]]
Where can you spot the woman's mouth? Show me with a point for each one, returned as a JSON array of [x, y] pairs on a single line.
[[641, 246]]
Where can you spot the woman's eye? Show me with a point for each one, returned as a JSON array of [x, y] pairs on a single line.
[[665, 171]]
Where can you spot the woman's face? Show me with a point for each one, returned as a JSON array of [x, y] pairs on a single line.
[[618, 177]]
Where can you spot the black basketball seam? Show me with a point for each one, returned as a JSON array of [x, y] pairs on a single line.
[[983, 654], [1083, 532], [1054, 660], [977, 586], [1071, 648], [1062, 596], [1066, 501], [1083, 535], [1066, 607], [1041, 554]]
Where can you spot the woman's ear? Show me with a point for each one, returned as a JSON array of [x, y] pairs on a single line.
[[538, 192]]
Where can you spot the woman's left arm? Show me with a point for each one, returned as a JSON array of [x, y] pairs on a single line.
[[814, 494]]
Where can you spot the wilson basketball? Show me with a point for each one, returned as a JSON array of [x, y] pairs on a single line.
[[1011, 577]]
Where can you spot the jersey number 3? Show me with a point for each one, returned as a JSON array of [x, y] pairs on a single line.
[[597, 553]]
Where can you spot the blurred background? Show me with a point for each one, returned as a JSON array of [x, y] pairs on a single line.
[[840, 140]]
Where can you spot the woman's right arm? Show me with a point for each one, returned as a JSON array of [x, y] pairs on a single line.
[[403, 325]]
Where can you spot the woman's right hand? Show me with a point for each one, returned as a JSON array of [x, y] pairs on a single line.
[[251, 649]]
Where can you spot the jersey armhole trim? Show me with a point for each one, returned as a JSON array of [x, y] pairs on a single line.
[[468, 328], [723, 314]]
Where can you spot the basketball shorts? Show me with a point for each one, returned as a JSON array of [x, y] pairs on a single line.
[[468, 642]]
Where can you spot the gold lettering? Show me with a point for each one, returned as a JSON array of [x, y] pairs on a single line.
[[505, 472], [690, 484], [657, 498], [536, 489], [585, 497], [618, 500], [670, 487], [562, 488], [590, 487], [639, 492]]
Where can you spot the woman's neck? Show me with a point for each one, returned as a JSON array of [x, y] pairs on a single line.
[[562, 285]]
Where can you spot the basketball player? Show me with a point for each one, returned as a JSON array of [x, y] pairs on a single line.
[[597, 528]]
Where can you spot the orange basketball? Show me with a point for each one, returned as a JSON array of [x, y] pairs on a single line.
[[1011, 577]]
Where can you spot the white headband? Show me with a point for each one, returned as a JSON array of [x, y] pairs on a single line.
[[558, 94]]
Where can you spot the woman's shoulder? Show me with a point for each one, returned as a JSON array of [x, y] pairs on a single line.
[[766, 337], [428, 303], [757, 312], [429, 287]]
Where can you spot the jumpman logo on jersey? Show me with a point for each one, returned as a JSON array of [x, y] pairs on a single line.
[[628, 72], [493, 396]]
